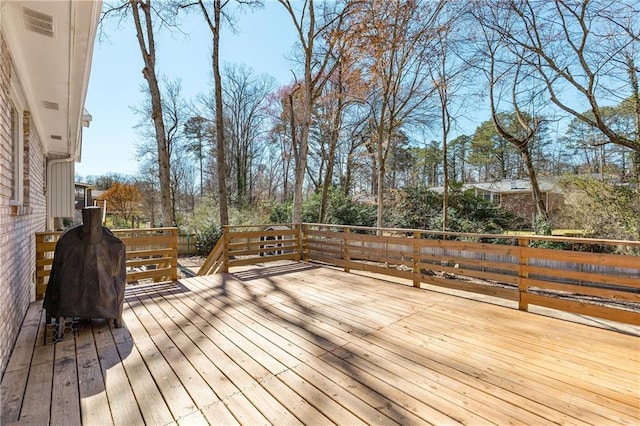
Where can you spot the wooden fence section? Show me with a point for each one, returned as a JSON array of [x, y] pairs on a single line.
[[187, 244], [582, 282], [152, 254]]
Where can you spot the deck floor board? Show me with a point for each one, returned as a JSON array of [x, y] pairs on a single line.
[[294, 343]]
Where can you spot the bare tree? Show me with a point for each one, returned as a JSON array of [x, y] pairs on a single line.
[[175, 113], [244, 98], [395, 55], [144, 15], [505, 67], [528, 127], [341, 92], [317, 67], [447, 76], [585, 53], [281, 135], [197, 128], [214, 17], [214, 25]]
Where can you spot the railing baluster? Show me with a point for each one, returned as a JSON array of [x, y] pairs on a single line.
[[417, 236]]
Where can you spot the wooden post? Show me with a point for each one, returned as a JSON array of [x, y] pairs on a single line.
[[174, 257], [522, 275], [347, 255], [302, 254], [225, 253], [416, 259]]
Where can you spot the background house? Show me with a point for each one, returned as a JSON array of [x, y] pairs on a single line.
[[516, 196], [45, 59]]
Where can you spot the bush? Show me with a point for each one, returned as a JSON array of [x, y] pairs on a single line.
[[542, 226], [280, 213], [341, 210], [207, 238], [420, 208], [602, 209]]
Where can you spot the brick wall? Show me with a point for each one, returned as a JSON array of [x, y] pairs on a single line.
[[17, 239]]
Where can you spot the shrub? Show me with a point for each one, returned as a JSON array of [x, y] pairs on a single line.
[[280, 212], [542, 226], [207, 238], [421, 208], [602, 209]]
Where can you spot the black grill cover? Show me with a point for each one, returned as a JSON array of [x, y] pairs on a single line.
[[88, 275]]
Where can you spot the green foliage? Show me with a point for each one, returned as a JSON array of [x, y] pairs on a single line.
[[602, 209], [542, 226], [204, 214], [207, 238], [341, 210], [311, 208], [345, 211], [417, 208], [117, 222], [421, 208], [280, 212]]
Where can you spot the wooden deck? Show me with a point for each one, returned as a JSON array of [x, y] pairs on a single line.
[[301, 344]]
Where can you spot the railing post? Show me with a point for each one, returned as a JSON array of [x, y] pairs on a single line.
[[302, 254], [225, 253], [174, 257], [347, 255], [416, 258], [522, 274]]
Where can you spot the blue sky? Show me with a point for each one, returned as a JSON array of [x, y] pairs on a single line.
[[263, 41]]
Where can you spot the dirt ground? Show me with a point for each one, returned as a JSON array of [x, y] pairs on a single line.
[[190, 263]]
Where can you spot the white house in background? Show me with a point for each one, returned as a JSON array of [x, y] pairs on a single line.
[[45, 59]]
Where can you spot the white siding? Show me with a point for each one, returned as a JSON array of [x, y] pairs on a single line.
[[61, 190]]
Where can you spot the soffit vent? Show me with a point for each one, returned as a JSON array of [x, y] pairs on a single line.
[[56, 137], [51, 105], [38, 22]]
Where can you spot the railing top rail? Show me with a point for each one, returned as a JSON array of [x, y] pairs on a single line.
[[261, 226], [492, 236], [166, 228]]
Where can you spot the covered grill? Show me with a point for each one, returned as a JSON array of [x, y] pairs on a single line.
[[88, 275]]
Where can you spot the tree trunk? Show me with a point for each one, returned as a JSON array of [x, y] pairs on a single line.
[[381, 157], [541, 210], [201, 171], [333, 143], [301, 164], [149, 73], [220, 148], [327, 179], [346, 185], [380, 188], [445, 184]]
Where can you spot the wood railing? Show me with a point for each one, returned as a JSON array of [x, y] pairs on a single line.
[[249, 245], [214, 263], [577, 275], [152, 254]]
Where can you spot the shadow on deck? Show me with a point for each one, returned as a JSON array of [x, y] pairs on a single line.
[[301, 344]]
